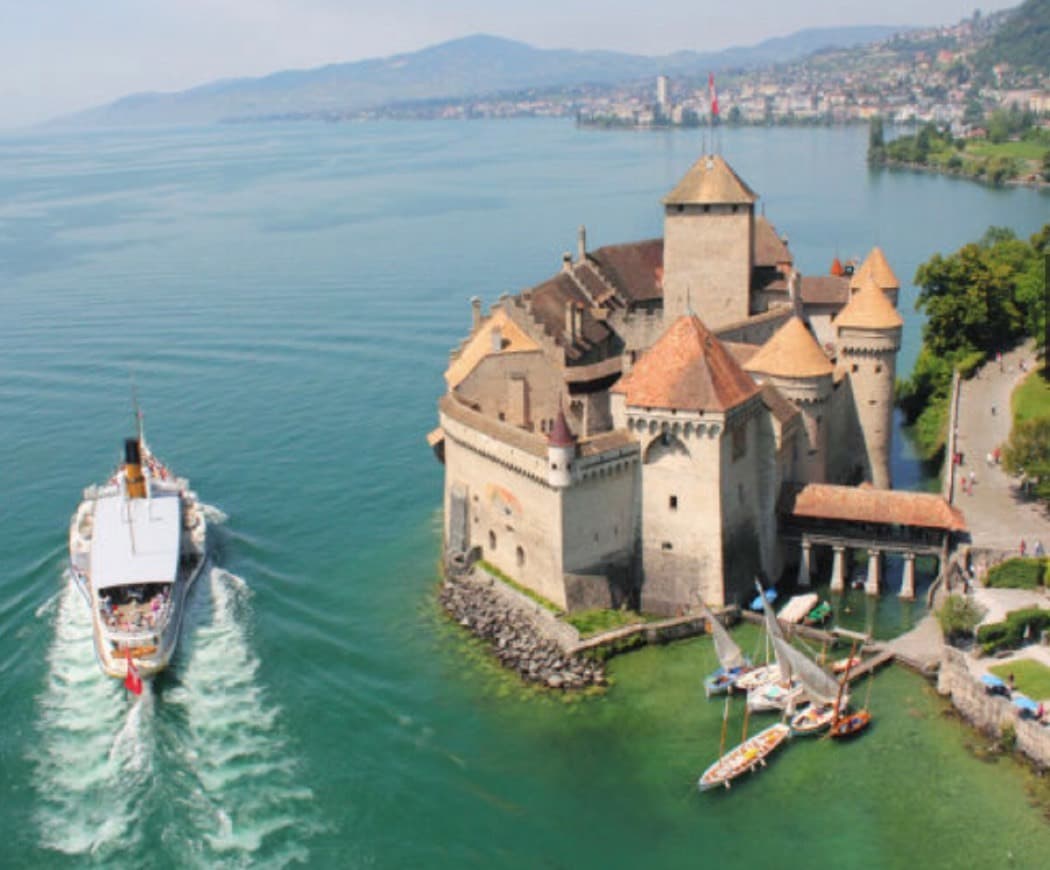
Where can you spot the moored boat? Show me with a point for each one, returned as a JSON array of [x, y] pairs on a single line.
[[819, 614], [748, 756], [845, 724], [732, 660], [136, 544]]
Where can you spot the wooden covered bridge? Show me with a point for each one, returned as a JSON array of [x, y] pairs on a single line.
[[877, 520]]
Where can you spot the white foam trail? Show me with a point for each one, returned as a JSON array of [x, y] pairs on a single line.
[[92, 760], [213, 515], [46, 608], [249, 789]]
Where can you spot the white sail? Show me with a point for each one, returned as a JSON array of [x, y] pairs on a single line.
[[775, 634], [819, 685], [729, 654]]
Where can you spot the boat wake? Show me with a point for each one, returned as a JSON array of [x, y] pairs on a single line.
[[246, 793], [92, 759], [196, 766]]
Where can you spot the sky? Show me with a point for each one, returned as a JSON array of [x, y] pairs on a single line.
[[59, 56]]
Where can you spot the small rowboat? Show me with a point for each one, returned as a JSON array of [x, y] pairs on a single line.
[[721, 681], [749, 755], [757, 677], [814, 719], [819, 614], [774, 696], [851, 724], [848, 663]]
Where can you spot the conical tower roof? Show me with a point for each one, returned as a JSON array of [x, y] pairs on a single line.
[[877, 266], [688, 369], [560, 434], [869, 308], [710, 181], [792, 352]]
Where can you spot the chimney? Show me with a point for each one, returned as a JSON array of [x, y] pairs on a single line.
[[581, 243], [497, 339], [566, 262], [578, 325], [794, 283], [475, 313], [570, 321]]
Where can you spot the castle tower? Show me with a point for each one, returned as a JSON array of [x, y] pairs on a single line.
[[709, 237], [561, 451], [878, 269], [793, 362], [868, 336], [706, 496]]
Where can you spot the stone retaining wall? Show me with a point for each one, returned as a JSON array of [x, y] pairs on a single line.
[[989, 713]]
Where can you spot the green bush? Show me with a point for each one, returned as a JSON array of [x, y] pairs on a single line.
[[958, 617], [1018, 574], [591, 622], [1011, 633]]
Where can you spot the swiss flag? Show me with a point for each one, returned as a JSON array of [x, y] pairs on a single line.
[[132, 681], [714, 95]]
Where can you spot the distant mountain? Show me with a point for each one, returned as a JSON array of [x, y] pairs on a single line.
[[1023, 39], [471, 66]]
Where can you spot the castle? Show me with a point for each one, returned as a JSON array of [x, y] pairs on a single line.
[[623, 432]]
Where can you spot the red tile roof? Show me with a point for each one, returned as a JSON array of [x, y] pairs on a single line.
[[770, 249], [863, 504], [792, 352], [561, 435], [687, 369], [636, 269]]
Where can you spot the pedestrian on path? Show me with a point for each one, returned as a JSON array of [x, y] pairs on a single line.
[[973, 479], [1024, 548], [1038, 551], [999, 359]]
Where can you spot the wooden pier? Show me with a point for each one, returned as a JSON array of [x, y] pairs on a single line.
[[871, 664]]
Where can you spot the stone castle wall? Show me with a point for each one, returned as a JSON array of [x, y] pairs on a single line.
[[707, 262], [989, 713]]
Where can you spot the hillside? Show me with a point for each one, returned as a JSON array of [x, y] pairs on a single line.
[[1023, 40], [470, 66]]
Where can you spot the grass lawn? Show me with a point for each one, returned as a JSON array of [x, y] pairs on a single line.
[[1032, 398], [1031, 677], [591, 622], [1022, 150]]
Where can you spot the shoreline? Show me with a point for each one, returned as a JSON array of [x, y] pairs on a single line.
[[899, 165]]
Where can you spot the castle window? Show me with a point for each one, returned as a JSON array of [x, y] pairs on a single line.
[[520, 555], [856, 368], [878, 368], [666, 545], [706, 209], [680, 208], [492, 540], [739, 443], [502, 416], [674, 502]]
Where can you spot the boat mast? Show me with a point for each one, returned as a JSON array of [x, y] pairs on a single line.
[[725, 725], [843, 684]]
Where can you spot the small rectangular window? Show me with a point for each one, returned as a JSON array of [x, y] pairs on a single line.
[[674, 502], [666, 545]]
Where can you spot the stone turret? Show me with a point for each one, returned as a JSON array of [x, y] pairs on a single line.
[[709, 239], [868, 337], [793, 362], [877, 268], [561, 453]]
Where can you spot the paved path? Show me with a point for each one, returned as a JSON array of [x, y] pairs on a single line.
[[920, 647], [996, 513]]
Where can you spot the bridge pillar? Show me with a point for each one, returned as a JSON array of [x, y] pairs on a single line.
[[804, 565], [908, 581], [838, 568], [871, 586]]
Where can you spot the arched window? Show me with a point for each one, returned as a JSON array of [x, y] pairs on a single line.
[[492, 540]]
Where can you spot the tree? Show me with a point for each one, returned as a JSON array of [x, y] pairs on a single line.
[[1028, 452], [876, 141]]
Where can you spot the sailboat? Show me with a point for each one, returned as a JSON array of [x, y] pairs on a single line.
[[733, 662], [749, 755], [821, 689], [782, 692], [845, 724]]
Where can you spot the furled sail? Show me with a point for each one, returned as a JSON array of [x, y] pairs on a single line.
[[729, 654], [775, 634], [819, 685]]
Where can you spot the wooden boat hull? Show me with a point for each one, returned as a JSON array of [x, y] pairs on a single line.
[[851, 725], [813, 720], [721, 681], [748, 756], [757, 677]]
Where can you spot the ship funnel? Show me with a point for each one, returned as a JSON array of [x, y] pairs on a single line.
[[133, 469]]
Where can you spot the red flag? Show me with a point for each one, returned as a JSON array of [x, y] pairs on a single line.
[[132, 680], [714, 95]]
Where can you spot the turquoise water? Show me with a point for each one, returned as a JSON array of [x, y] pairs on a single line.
[[285, 297]]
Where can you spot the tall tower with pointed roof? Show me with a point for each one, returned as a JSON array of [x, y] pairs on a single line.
[[793, 362], [706, 493], [709, 231], [868, 336]]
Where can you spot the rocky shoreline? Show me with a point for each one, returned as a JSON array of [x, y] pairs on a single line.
[[514, 639]]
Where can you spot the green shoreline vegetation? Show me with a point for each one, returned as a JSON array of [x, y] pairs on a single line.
[[981, 300], [1012, 149]]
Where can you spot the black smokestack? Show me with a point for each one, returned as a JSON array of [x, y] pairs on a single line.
[[132, 455]]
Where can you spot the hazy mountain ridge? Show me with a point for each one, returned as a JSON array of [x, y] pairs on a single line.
[[469, 66]]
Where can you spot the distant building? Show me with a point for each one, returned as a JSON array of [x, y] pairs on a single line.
[[663, 103], [623, 431]]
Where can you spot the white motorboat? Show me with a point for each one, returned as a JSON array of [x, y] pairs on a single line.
[[136, 544]]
